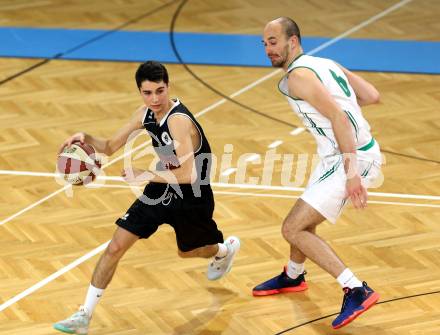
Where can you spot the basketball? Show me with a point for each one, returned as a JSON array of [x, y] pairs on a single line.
[[78, 164]]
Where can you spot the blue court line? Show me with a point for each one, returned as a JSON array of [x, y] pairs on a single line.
[[212, 49]]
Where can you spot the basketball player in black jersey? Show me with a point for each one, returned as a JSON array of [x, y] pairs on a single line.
[[177, 193]]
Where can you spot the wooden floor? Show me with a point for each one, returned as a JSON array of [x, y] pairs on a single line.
[[394, 244]]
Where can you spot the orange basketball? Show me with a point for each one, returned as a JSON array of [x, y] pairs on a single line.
[[78, 163]]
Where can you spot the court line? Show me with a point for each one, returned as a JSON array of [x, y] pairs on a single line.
[[275, 144], [297, 131], [34, 204], [51, 174], [285, 196], [361, 25], [53, 276], [228, 171], [267, 195], [241, 186], [300, 189]]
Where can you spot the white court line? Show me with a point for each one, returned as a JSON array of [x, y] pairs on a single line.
[[275, 144], [53, 276], [228, 172], [27, 173], [228, 185], [361, 25], [402, 203], [51, 175], [260, 187], [270, 195], [34, 204], [300, 189], [287, 196], [297, 131], [252, 157]]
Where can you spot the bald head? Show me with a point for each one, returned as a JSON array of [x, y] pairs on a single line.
[[288, 27], [282, 41]]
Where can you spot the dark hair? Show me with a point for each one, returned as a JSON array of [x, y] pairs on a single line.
[[290, 27], [151, 71]]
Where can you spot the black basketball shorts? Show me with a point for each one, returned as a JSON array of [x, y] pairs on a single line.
[[190, 216]]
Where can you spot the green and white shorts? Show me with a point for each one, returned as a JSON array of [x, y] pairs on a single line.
[[326, 190]]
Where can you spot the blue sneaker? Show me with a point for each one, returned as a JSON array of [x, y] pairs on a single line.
[[356, 301], [281, 284]]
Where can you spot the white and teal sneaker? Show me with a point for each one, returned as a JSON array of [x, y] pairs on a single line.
[[78, 323], [220, 266]]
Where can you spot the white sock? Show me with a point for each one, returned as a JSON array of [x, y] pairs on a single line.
[[92, 298], [293, 269], [222, 251], [348, 279]]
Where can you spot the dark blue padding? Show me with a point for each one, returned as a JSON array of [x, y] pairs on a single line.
[[211, 49]]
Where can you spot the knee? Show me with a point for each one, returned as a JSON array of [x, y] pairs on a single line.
[[289, 230], [115, 249]]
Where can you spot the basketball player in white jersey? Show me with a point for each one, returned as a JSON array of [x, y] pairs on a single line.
[[178, 191], [327, 98]]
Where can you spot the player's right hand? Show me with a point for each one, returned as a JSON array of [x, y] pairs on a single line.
[[74, 138], [356, 192]]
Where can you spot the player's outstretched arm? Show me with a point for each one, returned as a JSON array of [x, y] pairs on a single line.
[[108, 146], [365, 92]]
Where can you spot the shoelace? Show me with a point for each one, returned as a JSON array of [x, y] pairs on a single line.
[[366, 290], [347, 291], [216, 262]]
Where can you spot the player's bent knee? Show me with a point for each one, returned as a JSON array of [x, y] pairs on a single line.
[[287, 233], [289, 228]]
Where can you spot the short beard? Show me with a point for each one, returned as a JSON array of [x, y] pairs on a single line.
[[283, 60], [279, 63]]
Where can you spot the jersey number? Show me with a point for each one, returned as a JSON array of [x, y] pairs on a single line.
[[342, 83]]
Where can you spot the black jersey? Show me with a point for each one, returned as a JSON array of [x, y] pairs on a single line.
[[163, 144]]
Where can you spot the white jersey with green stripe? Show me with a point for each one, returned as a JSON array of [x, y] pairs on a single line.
[[335, 81]]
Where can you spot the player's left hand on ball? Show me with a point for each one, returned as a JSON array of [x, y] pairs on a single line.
[[356, 192]]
